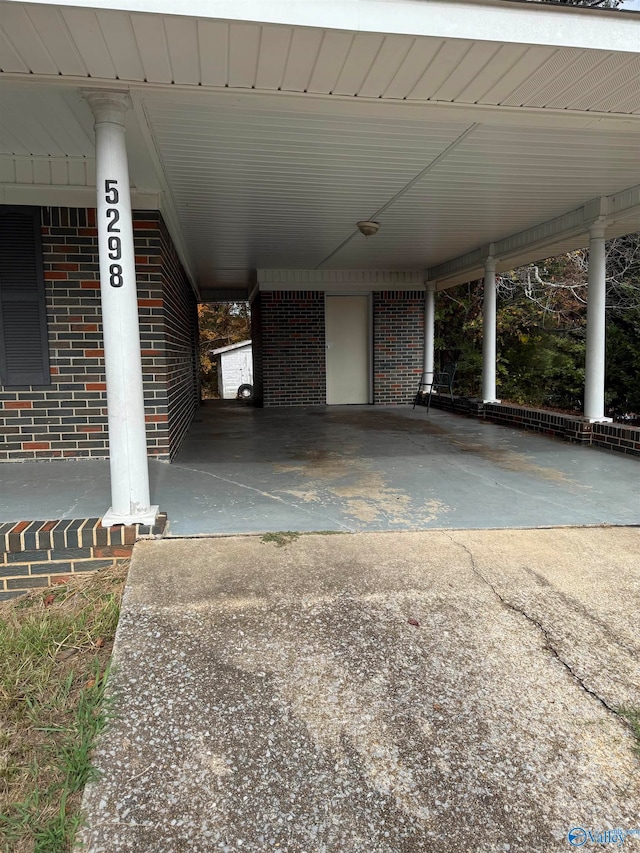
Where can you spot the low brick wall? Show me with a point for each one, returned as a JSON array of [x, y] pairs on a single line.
[[39, 553], [566, 427], [618, 437]]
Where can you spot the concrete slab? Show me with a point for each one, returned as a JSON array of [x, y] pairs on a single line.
[[350, 468], [383, 692]]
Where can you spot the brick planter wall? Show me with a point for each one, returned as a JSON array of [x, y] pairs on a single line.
[[68, 418], [622, 439], [39, 553], [567, 427], [289, 351], [398, 344]]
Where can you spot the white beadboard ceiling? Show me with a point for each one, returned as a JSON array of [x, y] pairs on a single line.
[[268, 142]]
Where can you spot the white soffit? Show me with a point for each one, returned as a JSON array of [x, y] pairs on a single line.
[[458, 63], [475, 19], [269, 141]]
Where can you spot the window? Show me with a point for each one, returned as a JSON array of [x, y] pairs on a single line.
[[24, 352]]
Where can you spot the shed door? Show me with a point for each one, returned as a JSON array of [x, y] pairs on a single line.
[[347, 341]]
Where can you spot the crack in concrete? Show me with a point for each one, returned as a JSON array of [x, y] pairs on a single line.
[[545, 633], [264, 494]]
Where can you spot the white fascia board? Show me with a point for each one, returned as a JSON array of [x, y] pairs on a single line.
[[47, 195], [482, 20], [352, 281], [620, 213], [624, 204]]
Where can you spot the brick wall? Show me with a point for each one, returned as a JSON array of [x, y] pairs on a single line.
[[289, 359], [68, 418], [398, 344], [623, 439], [181, 341], [40, 553], [575, 429]]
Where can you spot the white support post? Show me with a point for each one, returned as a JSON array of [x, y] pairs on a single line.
[[429, 333], [489, 333], [595, 356], [123, 362]]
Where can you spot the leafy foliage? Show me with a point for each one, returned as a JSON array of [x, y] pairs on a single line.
[[221, 324], [541, 330]]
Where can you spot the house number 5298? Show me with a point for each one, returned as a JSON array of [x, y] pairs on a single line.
[[114, 244]]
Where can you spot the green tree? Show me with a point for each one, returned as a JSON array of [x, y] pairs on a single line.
[[541, 330]]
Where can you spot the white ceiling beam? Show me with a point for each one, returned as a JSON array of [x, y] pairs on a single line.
[[620, 212], [47, 195], [518, 23], [347, 105], [296, 279]]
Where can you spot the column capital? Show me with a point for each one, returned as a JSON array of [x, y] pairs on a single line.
[[108, 106], [597, 230], [490, 264], [430, 286]]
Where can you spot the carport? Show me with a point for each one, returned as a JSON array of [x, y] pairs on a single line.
[[479, 135], [349, 469]]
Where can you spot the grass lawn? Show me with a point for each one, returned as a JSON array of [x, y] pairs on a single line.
[[55, 647]]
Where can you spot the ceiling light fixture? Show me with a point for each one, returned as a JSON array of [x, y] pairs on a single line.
[[368, 227]]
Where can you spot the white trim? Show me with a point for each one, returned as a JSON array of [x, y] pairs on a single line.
[[148, 517], [231, 347], [355, 281], [519, 23], [48, 195], [168, 210], [269, 99], [537, 241]]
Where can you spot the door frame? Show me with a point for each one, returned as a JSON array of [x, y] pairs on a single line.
[[369, 296]]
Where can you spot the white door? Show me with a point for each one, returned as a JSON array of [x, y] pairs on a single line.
[[347, 341]]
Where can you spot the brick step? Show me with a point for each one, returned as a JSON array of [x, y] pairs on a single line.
[[39, 553]]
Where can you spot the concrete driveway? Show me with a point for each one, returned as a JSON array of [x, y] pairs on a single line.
[[378, 692]]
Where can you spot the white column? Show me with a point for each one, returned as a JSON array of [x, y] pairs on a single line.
[[429, 332], [489, 333], [595, 357], [123, 363]]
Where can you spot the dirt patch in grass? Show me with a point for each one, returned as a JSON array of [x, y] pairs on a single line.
[[56, 647]]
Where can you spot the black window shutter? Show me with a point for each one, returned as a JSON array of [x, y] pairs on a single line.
[[24, 351]]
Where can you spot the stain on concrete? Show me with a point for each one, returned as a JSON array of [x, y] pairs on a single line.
[[348, 475], [510, 460], [379, 421]]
